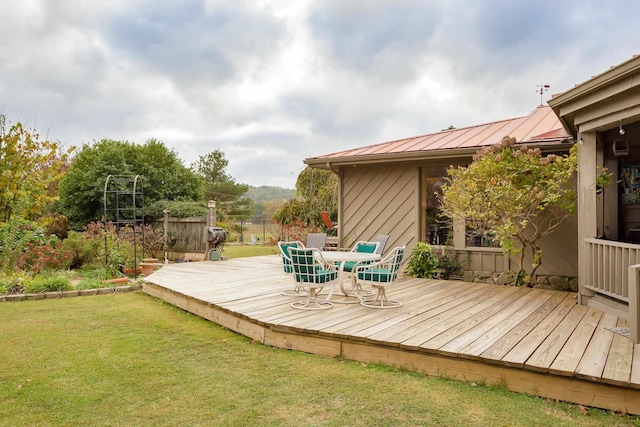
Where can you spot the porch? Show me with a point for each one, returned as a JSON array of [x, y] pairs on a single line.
[[528, 340]]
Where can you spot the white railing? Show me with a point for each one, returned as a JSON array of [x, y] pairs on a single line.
[[634, 303], [607, 267]]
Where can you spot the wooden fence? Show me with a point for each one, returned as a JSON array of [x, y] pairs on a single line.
[[188, 234]]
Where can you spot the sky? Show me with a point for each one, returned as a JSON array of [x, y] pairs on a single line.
[[272, 82]]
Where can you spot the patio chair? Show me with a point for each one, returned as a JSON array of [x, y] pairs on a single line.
[[288, 267], [313, 274], [348, 266], [361, 246], [316, 240], [381, 275], [330, 225], [382, 239]]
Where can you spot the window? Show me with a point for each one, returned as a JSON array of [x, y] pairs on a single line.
[[437, 228]]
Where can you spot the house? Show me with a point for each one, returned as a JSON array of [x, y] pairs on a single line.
[[603, 115], [391, 188]]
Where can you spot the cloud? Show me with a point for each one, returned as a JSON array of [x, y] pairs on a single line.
[[270, 82]]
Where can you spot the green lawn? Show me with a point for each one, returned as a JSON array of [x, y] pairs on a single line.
[[130, 359], [240, 251]]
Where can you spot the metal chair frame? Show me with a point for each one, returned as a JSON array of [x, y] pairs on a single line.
[[288, 267], [381, 275], [313, 274]]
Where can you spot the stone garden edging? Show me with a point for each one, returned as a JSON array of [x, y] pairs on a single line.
[[68, 294]]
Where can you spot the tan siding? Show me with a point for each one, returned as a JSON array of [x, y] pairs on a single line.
[[559, 255], [560, 251], [380, 200]]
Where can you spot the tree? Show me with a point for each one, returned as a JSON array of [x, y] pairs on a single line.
[[164, 177], [30, 170], [218, 185], [222, 187], [316, 191], [516, 194]]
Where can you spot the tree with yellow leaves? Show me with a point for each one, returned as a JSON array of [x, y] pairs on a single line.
[[30, 170]]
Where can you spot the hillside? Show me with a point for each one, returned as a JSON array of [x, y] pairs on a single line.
[[266, 193]]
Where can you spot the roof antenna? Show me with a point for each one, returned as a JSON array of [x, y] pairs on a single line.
[[542, 89]]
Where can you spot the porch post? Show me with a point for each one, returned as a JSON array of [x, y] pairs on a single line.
[[634, 303], [459, 236], [587, 221]]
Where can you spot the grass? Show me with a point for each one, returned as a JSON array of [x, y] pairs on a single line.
[[130, 359], [240, 251]]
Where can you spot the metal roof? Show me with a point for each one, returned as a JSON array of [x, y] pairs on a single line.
[[541, 126]]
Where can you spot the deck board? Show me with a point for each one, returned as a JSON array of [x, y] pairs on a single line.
[[569, 357], [617, 370], [536, 341], [523, 350], [480, 333]]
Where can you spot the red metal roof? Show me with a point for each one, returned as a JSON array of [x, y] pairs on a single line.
[[541, 125]]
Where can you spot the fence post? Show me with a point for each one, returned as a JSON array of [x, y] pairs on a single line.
[[634, 303]]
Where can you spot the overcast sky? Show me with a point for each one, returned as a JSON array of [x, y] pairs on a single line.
[[271, 82]]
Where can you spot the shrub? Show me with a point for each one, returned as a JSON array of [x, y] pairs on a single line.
[[115, 253], [423, 262], [50, 256], [153, 239], [48, 282], [448, 263], [177, 209], [13, 283], [297, 231], [56, 225], [25, 245], [90, 283], [84, 247]]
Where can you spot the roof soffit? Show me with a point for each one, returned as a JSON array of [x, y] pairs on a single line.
[[601, 96]]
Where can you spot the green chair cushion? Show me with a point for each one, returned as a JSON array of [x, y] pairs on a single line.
[[383, 275], [368, 248], [348, 266], [321, 276], [285, 259]]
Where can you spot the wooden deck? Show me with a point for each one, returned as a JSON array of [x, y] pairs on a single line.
[[528, 340]]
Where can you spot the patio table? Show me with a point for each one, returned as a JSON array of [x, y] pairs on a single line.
[[340, 257]]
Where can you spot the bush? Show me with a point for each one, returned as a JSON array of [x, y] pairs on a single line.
[[13, 283], [177, 209], [56, 225], [117, 252], [447, 262], [423, 262], [84, 247], [428, 262], [15, 235], [47, 282], [50, 256]]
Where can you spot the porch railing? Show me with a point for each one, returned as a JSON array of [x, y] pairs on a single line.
[[607, 267]]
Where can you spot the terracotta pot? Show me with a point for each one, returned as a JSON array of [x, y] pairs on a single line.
[[129, 271], [147, 268], [117, 280]]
